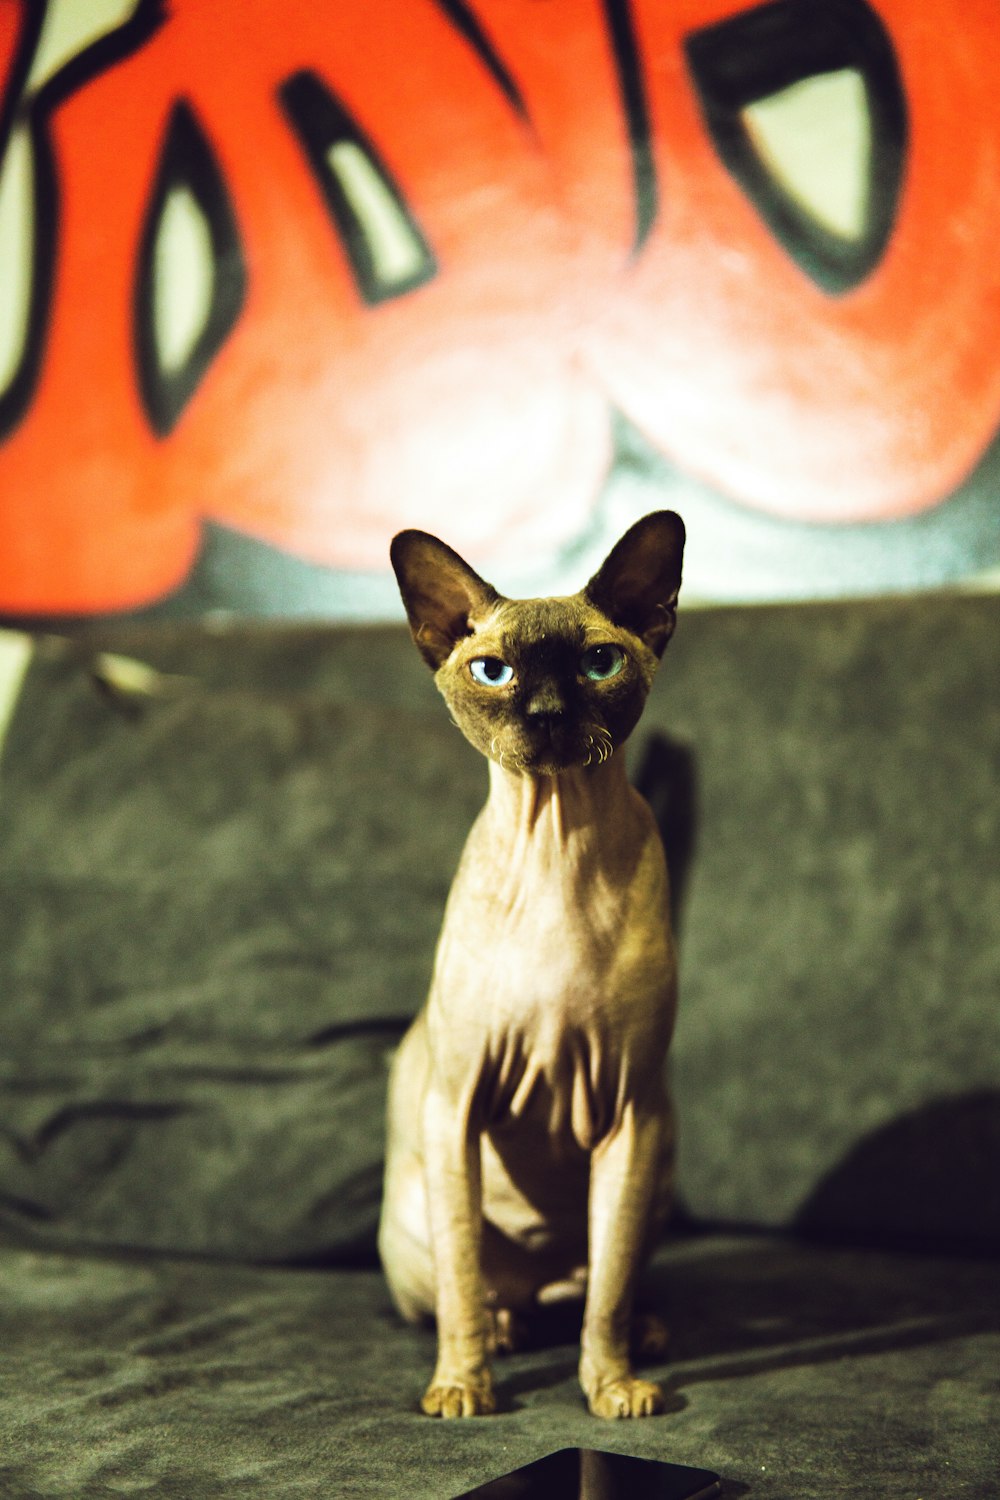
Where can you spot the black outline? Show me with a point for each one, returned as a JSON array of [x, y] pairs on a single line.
[[105, 53], [631, 83], [186, 160], [319, 120], [32, 16], [17, 391], [461, 18], [752, 55]]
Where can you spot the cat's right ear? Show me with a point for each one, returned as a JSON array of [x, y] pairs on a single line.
[[443, 596], [638, 582]]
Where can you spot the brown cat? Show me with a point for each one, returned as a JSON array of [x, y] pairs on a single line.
[[530, 1135]]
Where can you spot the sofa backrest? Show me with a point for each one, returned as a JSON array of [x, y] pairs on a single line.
[[220, 888]]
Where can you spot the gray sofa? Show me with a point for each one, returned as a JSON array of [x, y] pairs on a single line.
[[220, 885]]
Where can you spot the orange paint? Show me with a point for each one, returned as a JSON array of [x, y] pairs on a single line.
[[322, 424], [869, 405], [588, 249], [12, 20]]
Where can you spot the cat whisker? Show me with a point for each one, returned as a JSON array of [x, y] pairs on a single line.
[[600, 743]]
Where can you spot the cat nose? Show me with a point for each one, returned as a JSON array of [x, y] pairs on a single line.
[[546, 702]]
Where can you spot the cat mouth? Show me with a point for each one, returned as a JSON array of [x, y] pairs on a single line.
[[553, 748]]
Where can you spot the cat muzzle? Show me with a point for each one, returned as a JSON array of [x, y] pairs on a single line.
[[552, 745]]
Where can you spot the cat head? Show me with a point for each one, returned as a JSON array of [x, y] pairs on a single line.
[[542, 685]]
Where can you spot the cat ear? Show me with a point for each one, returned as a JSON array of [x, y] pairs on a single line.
[[637, 584], [442, 594]]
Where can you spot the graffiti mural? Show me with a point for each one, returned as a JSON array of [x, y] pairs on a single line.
[[280, 284]]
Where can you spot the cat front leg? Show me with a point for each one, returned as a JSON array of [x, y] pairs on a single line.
[[622, 1186], [461, 1385]]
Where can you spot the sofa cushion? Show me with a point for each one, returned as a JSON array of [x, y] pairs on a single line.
[[217, 911], [797, 1373]]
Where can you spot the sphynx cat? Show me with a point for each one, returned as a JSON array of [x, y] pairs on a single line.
[[530, 1135]]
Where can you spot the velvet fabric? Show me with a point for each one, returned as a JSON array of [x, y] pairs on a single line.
[[219, 895], [797, 1373]]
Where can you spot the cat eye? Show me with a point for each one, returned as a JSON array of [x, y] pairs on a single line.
[[491, 671], [602, 662]]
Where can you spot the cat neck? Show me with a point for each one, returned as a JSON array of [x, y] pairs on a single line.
[[588, 804]]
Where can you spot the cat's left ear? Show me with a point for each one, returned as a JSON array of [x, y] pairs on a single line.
[[637, 584], [442, 594]]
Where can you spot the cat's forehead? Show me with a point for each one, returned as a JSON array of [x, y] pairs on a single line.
[[532, 622]]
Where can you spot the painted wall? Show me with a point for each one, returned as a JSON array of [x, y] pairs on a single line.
[[280, 277]]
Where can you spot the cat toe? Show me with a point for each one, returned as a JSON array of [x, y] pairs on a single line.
[[459, 1398], [628, 1397]]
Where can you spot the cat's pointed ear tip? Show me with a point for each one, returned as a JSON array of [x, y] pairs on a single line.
[[670, 521], [407, 538], [413, 551], [412, 533]]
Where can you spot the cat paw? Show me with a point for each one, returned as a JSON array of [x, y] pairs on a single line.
[[627, 1397], [472, 1397], [648, 1336]]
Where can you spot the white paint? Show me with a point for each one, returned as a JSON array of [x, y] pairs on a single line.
[[397, 254], [17, 234], [183, 276], [815, 139], [71, 25]]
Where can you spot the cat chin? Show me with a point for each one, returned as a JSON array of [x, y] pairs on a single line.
[[542, 753], [554, 769], [549, 762]]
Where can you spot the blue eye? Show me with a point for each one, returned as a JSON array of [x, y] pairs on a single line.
[[491, 671], [602, 662]]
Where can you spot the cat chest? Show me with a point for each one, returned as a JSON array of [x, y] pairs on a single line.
[[552, 999], [563, 1085], [551, 1045], [560, 956]]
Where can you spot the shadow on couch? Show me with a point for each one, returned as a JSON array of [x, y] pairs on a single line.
[[928, 1179], [740, 1304]]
